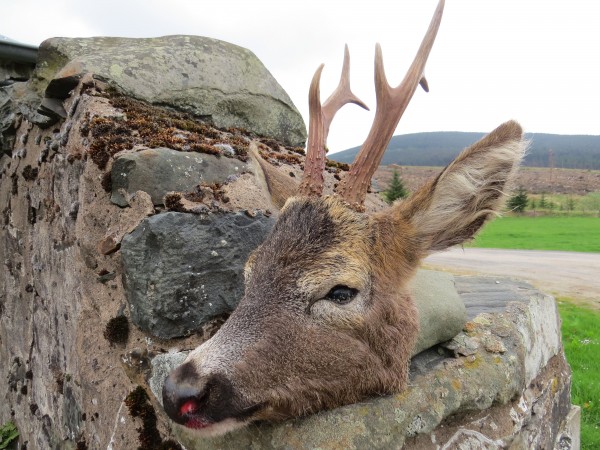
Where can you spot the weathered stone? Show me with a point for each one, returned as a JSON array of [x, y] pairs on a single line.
[[161, 170], [181, 270], [108, 245], [8, 116], [207, 77], [70, 383], [569, 437], [161, 366], [435, 296], [485, 400]]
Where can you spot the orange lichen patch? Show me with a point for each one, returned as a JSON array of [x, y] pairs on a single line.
[[471, 327], [457, 384], [472, 362], [554, 385]]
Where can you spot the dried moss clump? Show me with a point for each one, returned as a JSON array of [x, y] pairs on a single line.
[[173, 202], [139, 406], [144, 124], [209, 196], [117, 330], [30, 173], [298, 150], [286, 158], [337, 165]]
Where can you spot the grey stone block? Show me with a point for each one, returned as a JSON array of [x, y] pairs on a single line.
[[181, 270], [436, 297], [216, 80], [158, 171]]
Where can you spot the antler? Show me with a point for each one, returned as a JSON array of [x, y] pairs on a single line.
[[319, 122], [391, 103]]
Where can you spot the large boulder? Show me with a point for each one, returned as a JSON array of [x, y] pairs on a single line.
[[218, 81]]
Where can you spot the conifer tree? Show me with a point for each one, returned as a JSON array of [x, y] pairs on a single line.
[[518, 202], [396, 189]]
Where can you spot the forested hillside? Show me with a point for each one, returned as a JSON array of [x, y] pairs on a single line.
[[439, 148]]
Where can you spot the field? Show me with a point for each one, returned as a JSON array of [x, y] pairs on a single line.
[[568, 233], [581, 339], [573, 182]]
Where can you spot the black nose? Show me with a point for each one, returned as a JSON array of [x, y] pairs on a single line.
[[181, 394]]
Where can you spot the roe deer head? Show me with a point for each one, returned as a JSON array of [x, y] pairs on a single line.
[[326, 319]]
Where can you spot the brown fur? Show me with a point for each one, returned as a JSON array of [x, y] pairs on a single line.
[[289, 350]]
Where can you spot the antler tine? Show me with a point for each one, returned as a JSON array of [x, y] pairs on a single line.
[[342, 95], [391, 104], [320, 118]]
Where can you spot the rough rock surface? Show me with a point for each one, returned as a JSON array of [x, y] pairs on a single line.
[[61, 286], [218, 81], [181, 270], [435, 295], [509, 389], [158, 171]]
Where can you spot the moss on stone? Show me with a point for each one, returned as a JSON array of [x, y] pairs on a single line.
[[152, 126], [138, 403], [117, 330]]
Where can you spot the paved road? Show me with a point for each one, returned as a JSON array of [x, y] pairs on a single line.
[[560, 273]]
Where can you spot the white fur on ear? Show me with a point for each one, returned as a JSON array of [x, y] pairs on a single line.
[[470, 190]]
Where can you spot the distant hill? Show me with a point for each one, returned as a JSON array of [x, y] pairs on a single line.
[[441, 147]]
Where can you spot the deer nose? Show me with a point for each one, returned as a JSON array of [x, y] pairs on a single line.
[[181, 397]]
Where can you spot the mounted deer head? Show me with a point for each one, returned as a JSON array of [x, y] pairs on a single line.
[[326, 318]]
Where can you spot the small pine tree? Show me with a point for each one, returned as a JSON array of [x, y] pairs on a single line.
[[518, 202], [543, 204], [396, 189], [532, 204]]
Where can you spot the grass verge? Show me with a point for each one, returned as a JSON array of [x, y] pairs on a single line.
[[581, 339], [571, 233]]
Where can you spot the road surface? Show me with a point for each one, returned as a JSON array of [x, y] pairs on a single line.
[[569, 274]]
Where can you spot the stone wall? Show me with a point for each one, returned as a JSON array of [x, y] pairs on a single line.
[[107, 202]]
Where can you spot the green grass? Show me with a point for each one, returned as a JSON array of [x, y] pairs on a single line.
[[570, 233], [581, 339], [8, 436]]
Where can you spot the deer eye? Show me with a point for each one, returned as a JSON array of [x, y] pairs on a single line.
[[341, 294]]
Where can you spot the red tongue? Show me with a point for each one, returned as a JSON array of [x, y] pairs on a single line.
[[188, 407]]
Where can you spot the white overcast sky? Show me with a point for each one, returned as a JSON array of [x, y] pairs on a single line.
[[537, 61]]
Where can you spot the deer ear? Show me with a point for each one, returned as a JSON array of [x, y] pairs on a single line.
[[451, 209], [279, 185]]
